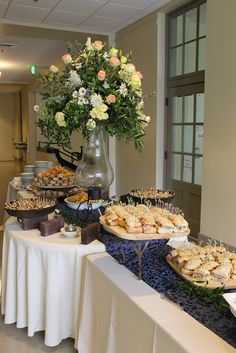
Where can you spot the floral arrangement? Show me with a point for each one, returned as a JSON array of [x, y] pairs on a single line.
[[98, 84]]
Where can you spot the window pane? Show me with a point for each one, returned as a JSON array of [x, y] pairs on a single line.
[[190, 58], [200, 107], [177, 139], [177, 109], [176, 61], [198, 170], [187, 169], [176, 30], [201, 54], [188, 109], [188, 139], [176, 166], [202, 20], [199, 134], [190, 25]]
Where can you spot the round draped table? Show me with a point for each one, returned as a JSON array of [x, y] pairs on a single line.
[[42, 279]]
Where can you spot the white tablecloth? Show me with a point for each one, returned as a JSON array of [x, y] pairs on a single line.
[[123, 315], [41, 281]]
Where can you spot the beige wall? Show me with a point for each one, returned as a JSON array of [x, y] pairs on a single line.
[[138, 169], [9, 125], [219, 168]]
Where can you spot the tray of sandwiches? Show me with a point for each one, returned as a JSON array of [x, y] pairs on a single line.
[[141, 222], [209, 266]]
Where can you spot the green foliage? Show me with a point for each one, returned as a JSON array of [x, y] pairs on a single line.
[[213, 296]]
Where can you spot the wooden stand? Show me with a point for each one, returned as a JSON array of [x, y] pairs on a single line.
[[32, 223], [90, 233]]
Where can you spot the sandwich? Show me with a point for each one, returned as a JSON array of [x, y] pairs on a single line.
[[148, 223], [163, 224], [132, 224], [191, 265], [179, 222]]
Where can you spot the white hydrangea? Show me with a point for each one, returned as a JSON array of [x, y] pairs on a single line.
[[74, 79], [96, 100]]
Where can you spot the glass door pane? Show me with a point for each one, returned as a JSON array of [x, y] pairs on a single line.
[[187, 169], [202, 20], [177, 108], [190, 25], [176, 166], [176, 28], [190, 57], [200, 107]]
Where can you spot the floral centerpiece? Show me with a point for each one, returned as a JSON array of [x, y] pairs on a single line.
[[98, 84]]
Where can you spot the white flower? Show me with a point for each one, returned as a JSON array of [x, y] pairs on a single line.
[[140, 105], [82, 91], [74, 79], [60, 119], [123, 90], [88, 44], [36, 108], [105, 85], [53, 69], [91, 124], [78, 66], [105, 55], [96, 100], [147, 119], [75, 94], [82, 101]]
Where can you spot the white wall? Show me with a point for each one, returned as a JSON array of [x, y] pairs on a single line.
[[218, 214]]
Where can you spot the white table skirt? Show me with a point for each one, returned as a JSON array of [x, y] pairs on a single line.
[[123, 315], [41, 281]]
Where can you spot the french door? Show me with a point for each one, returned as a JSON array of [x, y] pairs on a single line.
[[185, 149]]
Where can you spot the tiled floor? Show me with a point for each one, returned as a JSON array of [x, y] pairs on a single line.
[[12, 339]]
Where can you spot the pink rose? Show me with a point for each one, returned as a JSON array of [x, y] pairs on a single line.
[[139, 74], [110, 98], [114, 61], [67, 58], [98, 44], [101, 75]]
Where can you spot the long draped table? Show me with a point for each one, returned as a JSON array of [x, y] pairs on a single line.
[[41, 281], [123, 315]]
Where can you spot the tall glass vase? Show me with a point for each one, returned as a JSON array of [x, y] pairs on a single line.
[[95, 171]]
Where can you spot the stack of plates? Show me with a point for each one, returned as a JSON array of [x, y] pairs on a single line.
[[29, 168], [27, 178], [41, 166]]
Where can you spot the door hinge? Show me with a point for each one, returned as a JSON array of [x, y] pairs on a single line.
[[166, 101], [165, 154]]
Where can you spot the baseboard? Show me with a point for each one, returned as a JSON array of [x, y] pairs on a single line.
[[204, 239]]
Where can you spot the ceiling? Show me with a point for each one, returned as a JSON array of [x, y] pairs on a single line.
[[26, 24]]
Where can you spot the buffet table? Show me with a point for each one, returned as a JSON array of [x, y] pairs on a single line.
[[41, 281], [122, 314]]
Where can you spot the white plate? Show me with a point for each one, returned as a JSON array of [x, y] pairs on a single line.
[[231, 299], [84, 205]]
